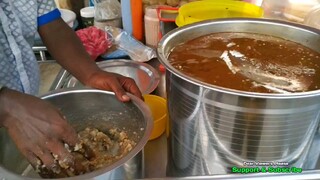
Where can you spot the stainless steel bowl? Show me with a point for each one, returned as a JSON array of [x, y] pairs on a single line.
[[214, 128], [95, 108], [145, 76]]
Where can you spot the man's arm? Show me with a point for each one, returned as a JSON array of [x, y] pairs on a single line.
[[67, 49]]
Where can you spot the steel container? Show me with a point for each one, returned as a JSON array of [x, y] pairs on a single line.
[[94, 108], [213, 129], [145, 76]]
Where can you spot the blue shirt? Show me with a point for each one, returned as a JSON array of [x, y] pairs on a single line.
[[19, 21]]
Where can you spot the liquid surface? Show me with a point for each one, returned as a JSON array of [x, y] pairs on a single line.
[[249, 62]]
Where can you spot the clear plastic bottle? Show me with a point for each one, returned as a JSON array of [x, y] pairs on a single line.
[[288, 10], [126, 16], [296, 10], [312, 19]]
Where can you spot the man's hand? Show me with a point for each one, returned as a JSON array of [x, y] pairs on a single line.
[[114, 82], [68, 50], [37, 128]]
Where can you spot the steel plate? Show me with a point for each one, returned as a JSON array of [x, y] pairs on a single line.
[[146, 77]]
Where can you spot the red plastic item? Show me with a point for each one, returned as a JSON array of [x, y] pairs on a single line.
[[166, 8], [162, 19], [162, 68], [94, 40]]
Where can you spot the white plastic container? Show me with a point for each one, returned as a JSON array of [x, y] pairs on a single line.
[[152, 26], [68, 16]]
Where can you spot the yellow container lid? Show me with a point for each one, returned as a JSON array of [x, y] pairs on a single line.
[[208, 9]]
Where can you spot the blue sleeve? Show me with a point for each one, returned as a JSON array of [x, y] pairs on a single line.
[[48, 17]]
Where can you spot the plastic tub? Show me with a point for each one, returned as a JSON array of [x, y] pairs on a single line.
[[68, 16], [158, 107], [204, 10]]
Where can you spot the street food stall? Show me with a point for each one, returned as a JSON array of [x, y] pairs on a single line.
[[231, 90]]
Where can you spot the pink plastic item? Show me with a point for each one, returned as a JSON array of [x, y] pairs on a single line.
[[94, 40]]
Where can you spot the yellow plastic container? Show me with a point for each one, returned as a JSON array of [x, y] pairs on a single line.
[[158, 107], [208, 9]]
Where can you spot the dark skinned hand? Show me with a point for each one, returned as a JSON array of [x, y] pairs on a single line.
[[59, 38], [114, 82], [37, 128]]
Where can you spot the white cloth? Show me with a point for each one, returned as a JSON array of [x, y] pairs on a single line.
[[18, 26]]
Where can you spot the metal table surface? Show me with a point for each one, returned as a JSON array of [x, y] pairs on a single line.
[[155, 153]]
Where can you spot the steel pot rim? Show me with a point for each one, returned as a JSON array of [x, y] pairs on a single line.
[[164, 59]]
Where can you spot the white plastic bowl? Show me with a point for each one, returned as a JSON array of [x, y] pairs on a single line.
[[68, 16]]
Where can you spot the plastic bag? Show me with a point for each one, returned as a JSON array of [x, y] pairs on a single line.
[[107, 9], [95, 41], [134, 48]]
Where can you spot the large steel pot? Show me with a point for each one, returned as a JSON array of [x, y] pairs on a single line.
[[95, 108], [214, 128]]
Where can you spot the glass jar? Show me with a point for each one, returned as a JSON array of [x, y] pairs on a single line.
[[87, 16]]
